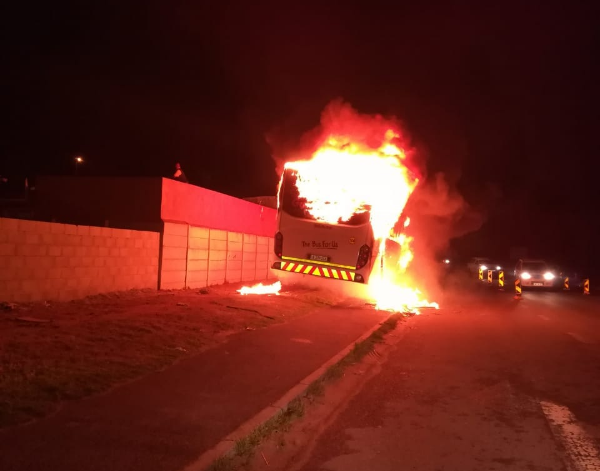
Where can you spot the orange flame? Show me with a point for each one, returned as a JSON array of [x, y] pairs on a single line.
[[344, 178], [261, 289], [347, 175], [391, 296]]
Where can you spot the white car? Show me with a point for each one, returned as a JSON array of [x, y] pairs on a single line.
[[535, 273]]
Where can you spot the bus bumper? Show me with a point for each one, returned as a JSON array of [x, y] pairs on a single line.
[[318, 270]]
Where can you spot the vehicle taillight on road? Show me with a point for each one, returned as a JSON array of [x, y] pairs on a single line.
[[278, 246], [363, 256]]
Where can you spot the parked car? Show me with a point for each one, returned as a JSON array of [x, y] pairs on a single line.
[[536, 274], [484, 263]]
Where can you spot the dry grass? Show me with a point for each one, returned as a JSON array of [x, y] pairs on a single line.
[[88, 346]]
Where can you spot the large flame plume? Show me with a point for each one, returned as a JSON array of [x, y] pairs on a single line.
[[345, 177], [362, 163]]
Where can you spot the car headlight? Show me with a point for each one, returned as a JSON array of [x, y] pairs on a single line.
[[525, 275], [498, 267], [548, 276], [483, 267]]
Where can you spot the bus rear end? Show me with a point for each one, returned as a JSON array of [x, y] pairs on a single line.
[[304, 246]]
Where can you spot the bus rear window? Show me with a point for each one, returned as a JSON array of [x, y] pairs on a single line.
[[294, 205]]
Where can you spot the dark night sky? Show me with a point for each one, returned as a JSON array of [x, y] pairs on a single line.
[[503, 98]]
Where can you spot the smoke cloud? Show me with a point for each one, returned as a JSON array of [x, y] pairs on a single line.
[[438, 214], [340, 119]]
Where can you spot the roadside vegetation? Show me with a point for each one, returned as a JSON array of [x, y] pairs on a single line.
[[54, 352], [245, 448]]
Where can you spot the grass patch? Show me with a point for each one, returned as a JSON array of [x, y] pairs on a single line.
[[223, 463], [246, 447], [90, 345], [358, 352]]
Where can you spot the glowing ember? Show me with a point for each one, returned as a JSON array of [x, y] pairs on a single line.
[[361, 166], [261, 289]]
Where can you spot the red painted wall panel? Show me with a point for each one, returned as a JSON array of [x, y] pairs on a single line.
[[206, 208]]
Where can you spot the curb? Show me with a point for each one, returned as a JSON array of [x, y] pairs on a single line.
[[227, 444]]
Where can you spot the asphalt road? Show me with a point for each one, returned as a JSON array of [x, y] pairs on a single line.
[[486, 383], [164, 421]]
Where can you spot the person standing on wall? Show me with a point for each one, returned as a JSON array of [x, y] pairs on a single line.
[[179, 175]]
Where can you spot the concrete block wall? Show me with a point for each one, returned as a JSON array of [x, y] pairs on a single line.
[[217, 257], [197, 265], [196, 257], [49, 261], [249, 256], [235, 252], [174, 256]]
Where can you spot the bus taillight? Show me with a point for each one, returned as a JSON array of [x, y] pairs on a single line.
[[363, 256], [278, 244]]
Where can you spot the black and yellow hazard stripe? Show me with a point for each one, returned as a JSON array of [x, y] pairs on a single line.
[[314, 270]]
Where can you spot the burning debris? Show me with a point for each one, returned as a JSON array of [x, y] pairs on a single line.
[[261, 289]]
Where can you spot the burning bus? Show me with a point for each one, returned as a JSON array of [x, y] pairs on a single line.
[[340, 211], [341, 250]]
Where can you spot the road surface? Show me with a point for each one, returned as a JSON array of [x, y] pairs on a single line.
[[486, 383], [164, 421]]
